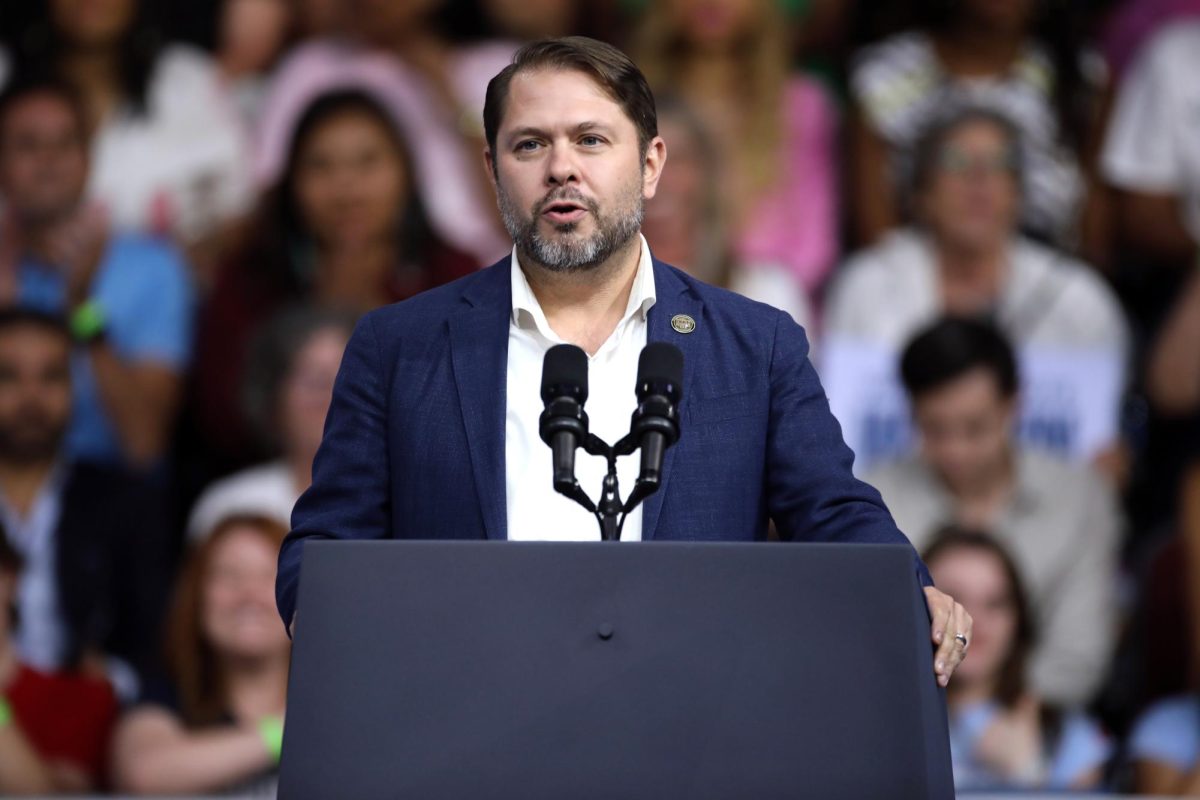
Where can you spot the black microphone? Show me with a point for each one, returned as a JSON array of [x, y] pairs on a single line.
[[563, 424], [655, 423]]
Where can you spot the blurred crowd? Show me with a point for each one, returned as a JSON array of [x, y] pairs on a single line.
[[986, 214]]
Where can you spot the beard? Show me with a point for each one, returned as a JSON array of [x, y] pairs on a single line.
[[31, 437], [567, 250]]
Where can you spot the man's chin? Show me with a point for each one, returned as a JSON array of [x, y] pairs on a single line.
[[29, 451]]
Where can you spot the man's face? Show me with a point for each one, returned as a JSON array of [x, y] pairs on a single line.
[[570, 176], [43, 158], [965, 428], [35, 392]]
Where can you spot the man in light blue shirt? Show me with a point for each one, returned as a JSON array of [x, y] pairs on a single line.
[[129, 298]]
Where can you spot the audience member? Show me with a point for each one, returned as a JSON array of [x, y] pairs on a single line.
[[1019, 58], [216, 725], [967, 258], [168, 153], [1003, 735], [128, 297], [252, 35], [344, 228], [54, 727], [774, 131], [287, 390], [433, 91], [1152, 152], [1060, 522], [93, 539], [684, 226]]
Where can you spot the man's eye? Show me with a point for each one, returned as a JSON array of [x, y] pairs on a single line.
[[591, 141], [527, 146]]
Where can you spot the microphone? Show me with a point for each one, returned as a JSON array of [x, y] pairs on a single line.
[[655, 425], [563, 424]]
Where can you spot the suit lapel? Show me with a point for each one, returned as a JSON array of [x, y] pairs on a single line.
[[673, 298], [479, 352]]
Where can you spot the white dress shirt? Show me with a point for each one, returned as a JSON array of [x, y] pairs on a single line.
[[41, 637], [535, 510]]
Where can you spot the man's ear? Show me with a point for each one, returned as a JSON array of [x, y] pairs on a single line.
[[652, 166], [491, 164]]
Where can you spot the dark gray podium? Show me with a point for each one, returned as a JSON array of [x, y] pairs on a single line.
[[609, 670]]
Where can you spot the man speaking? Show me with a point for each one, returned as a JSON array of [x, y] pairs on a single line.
[[433, 429]]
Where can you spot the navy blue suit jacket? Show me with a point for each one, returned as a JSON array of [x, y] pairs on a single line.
[[414, 439]]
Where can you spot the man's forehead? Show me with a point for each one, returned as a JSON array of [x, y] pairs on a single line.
[[556, 97], [38, 111]]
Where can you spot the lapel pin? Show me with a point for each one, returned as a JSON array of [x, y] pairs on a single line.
[[682, 323]]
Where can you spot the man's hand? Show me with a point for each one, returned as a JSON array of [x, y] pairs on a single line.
[[950, 620]]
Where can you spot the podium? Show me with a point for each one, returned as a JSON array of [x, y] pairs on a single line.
[[450, 669]]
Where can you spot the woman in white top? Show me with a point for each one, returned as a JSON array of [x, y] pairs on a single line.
[[168, 153]]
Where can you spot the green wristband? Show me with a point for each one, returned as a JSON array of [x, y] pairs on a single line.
[[88, 321], [271, 731], [6, 715]]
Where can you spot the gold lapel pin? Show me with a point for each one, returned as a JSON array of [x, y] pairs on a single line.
[[682, 323]]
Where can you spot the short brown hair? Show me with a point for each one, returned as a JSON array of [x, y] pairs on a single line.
[[615, 73]]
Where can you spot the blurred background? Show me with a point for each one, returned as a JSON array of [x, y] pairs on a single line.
[[986, 214]]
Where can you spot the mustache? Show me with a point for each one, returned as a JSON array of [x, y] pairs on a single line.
[[566, 195]]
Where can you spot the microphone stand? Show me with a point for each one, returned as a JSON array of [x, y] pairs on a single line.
[[610, 511]]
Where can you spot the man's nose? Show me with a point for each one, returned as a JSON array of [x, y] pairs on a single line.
[[562, 168]]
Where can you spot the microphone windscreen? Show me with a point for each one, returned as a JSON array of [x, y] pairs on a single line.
[[565, 370], [660, 363]]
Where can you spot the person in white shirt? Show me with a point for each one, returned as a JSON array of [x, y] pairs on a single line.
[[967, 258], [1152, 151]]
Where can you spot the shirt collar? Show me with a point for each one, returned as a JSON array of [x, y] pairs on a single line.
[[527, 312], [47, 497]]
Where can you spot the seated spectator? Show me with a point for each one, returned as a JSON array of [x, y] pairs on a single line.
[[967, 258], [1152, 151], [217, 724], [1003, 736], [344, 229], [1061, 523], [128, 297], [684, 227], [287, 390], [168, 154], [434, 92], [774, 132], [252, 35], [93, 539], [1165, 748], [1019, 58], [54, 727]]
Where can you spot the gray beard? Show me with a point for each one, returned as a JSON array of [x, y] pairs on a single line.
[[570, 252]]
